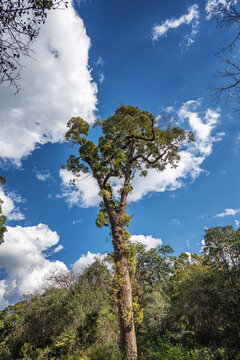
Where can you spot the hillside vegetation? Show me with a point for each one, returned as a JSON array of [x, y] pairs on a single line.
[[187, 308]]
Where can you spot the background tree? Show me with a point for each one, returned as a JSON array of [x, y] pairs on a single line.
[[195, 296], [153, 266], [20, 23], [131, 142], [227, 16], [63, 320], [3, 218], [208, 284], [3, 228], [193, 313], [222, 247], [222, 252]]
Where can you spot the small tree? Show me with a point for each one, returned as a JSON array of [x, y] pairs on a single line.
[[131, 142]]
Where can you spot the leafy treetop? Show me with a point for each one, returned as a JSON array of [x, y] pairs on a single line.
[[131, 141]]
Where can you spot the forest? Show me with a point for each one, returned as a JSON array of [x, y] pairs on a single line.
[[187, 307]]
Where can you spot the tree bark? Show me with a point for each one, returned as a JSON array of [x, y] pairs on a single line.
[[128, 341]]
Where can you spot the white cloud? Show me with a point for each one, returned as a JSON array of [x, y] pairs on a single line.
[[56, 85], [87, 189], [213, 5], [42, 176], [86, 260], [189, 166], [8, 206], [58, 248], [227, 212], [175, 222], [237, 223], [191, 18], [77, 221], [22, 257], [202, 124], [101, 77], [147, 240], [100, 61]]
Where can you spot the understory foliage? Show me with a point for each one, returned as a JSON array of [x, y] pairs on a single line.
[[190, 308]]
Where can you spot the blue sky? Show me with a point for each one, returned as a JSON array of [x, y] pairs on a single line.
[[159, 56]]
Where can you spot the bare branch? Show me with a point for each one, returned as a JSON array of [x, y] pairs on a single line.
[[19, 26]]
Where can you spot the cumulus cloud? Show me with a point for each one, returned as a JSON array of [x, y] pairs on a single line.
[[24, 261], [202, 123], [201, 126], [86, 192], [56, 84], [147, 240], [9, 207], [86, 260], [228, 212], [190, 18], [189, 166]]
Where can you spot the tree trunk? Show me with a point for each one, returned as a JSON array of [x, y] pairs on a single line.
[[127, 330], [128, 341]]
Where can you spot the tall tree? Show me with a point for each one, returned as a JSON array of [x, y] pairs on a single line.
[[20, 23], [222, 251], [131, 142], [222, 247]]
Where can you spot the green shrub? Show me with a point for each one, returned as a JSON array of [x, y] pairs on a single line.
[[105, 352]]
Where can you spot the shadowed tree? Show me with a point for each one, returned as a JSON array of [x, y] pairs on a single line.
[[131, 143]]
